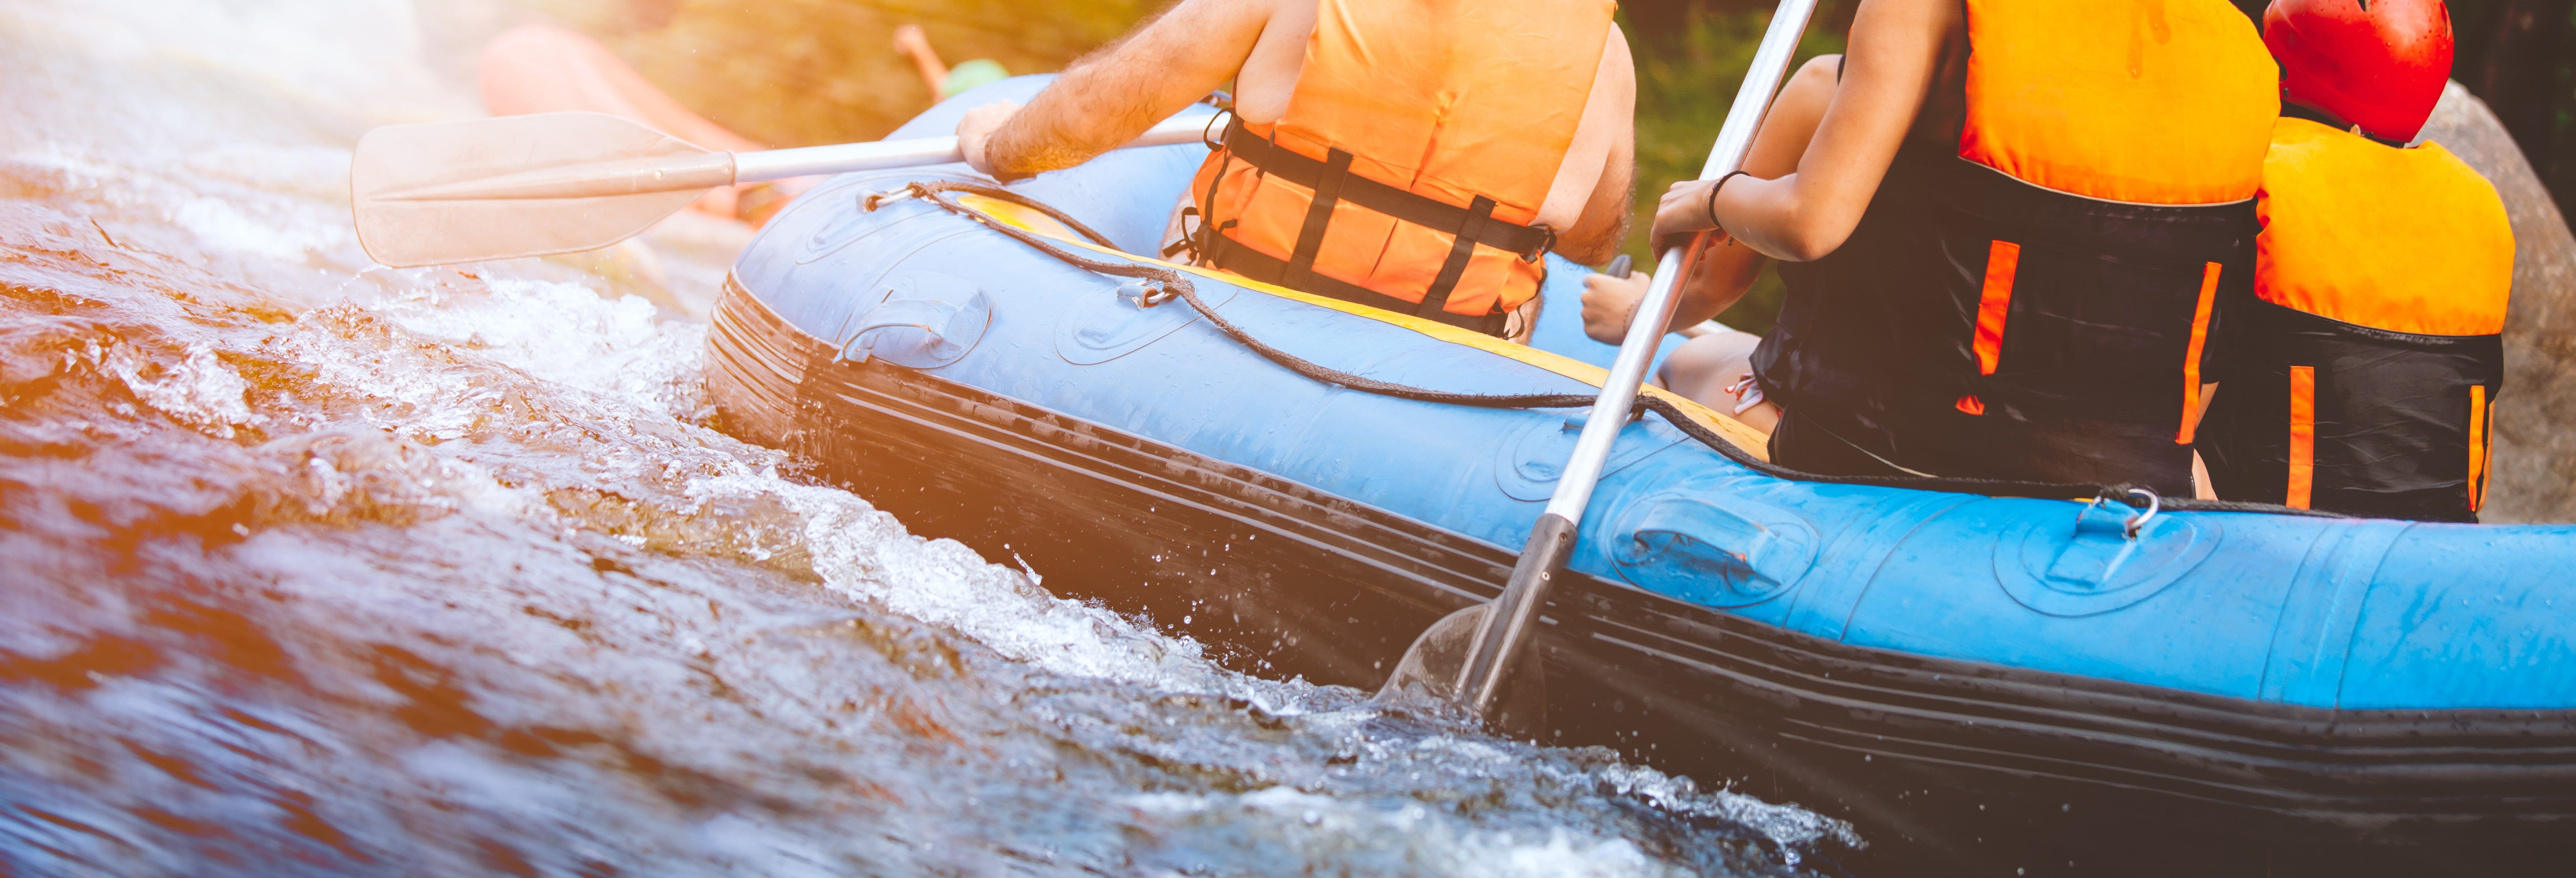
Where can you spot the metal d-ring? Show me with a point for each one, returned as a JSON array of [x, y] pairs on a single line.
[[870, 202], [2136, 523], [1147, 293]]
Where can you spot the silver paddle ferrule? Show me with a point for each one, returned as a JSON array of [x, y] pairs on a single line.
[[780, 164]]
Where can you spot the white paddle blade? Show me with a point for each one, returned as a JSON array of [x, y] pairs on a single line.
[[449, 192]]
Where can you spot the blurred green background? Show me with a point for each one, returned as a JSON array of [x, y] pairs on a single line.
[[797, 72]]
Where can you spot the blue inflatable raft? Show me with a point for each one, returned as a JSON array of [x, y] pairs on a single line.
[[1984, 685]]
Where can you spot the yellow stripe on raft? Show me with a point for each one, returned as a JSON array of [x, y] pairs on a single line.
[[1750, 440]]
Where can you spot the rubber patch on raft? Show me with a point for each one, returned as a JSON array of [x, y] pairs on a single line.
[[1104, 323]]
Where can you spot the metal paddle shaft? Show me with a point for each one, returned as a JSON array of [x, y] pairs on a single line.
[[448, 192], [1506, 631]]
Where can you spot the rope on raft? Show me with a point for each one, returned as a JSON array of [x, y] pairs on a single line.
[[1178, 283]]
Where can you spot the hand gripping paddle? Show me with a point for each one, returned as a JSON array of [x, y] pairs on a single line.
[[1471, 655]]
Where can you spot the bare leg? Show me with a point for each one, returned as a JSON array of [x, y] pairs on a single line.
[[1711, 370]]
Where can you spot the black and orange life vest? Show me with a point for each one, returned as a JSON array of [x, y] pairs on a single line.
[[2034, 303], [2361, 374], [1417, 148]]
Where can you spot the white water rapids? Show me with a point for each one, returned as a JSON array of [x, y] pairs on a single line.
[[318, 567]]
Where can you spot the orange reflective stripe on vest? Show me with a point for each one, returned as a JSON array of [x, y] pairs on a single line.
[[2303, 437], [2200, 314], [2142, 101], [1459, 102], [2404, 240], [1994, 304], [2477, 446]]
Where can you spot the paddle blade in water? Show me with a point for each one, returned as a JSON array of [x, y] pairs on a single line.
[[1427, 677], [449, 192]]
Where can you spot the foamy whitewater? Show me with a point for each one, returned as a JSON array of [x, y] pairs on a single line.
[[314, 566]]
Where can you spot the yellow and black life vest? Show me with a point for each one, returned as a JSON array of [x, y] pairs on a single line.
[[2361, 374], [1417, 148], [2035, 304]]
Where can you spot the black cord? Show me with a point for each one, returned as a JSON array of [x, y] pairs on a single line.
[[1713, 224], [935, 192]]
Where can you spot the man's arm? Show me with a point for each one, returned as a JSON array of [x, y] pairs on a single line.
[[1597, 231], [1109, 97], [1595, 238]]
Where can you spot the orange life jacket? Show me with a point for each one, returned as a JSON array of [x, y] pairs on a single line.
[[2166, 102], [2145, 103], [1433, 131], [2033, 300], [2361, 378]]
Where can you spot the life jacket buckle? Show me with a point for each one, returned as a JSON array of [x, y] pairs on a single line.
[[1545, 245]]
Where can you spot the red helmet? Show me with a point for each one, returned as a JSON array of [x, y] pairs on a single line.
[[2380, 64]]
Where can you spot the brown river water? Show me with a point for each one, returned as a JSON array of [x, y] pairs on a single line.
[[311, 566]]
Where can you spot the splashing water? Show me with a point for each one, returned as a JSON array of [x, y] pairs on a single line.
[[319, 567]]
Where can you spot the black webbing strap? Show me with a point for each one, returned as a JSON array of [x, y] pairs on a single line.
[[1319, 216], [1188, 240], [1210, 234], [1255, 264], [1529, 243], [1479, 213]]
